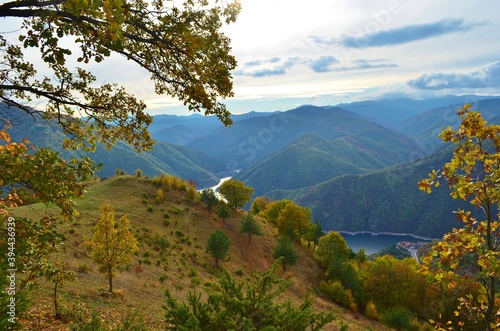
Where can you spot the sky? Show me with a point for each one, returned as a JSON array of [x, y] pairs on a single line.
[[326, 52]]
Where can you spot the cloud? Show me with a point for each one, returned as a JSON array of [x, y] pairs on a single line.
[[487, 76], [401, 35], [277, 66], [367, 64], [274, 66], [323, 64]]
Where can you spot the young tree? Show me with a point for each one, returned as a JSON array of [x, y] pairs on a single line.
[[159, 196], [250, 226], [253, 304], [163, 243], [208, 197], [34, 242], [473, 174], [113, 243], [218, 245], [223, 211], [191, 193], [58, 273], [286, 251], [236, 193]]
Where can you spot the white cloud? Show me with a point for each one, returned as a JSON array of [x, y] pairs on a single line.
[[487, 76]]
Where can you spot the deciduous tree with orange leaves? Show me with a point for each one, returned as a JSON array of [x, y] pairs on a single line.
[[473, 249]]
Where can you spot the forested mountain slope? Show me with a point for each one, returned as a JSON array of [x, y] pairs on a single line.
[[383, 201]]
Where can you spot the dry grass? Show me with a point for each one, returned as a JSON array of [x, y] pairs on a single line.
[[182, 265]]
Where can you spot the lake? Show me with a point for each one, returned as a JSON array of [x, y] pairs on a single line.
[[373, 243]]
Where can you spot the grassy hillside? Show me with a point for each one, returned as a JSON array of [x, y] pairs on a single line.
[[184, 265]]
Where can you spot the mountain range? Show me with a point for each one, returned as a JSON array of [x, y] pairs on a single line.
[[355, 165]]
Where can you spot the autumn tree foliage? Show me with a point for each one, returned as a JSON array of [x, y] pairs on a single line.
[[273, 210], [112, 244], [473, 249], [293, 221], [329, 246], [42, 172], [180, 45], [290, 219], [259, 204], [236, 193], [159, 196]]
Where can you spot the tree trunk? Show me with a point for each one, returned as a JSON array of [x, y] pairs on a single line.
[[56, 308], [110, 278], [216, 261], [250, 238]]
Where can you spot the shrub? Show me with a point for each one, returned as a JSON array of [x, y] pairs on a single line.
[[150, 209], [398, 318], [371, 311], [338, 293], [75, 310], [174, 210], [195, 281], [132, 322], [193, 272], [94, 324], [83, 268]]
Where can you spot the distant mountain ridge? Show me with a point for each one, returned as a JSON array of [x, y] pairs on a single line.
[[391, 112], [253, 140], [426, 127], [165, 158]]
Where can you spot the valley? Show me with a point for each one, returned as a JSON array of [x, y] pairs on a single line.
[[330, 179]]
